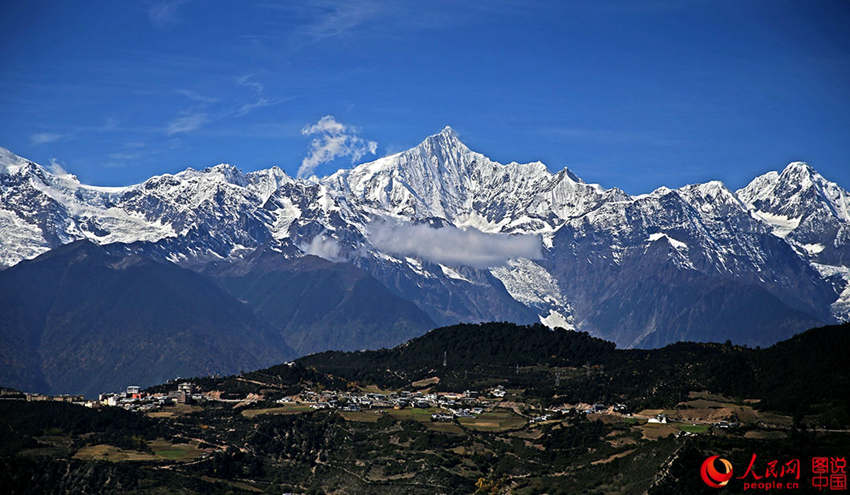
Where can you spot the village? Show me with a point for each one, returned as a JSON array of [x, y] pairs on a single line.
[[441, 407]]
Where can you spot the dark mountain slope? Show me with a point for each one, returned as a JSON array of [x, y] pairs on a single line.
[[317, 305], [812, 364], [86, 319], [491, 349], [806, 374]]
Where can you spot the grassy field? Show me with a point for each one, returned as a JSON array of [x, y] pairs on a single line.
[[425, 382], [374, 389], [103, 452], [705, 407], [286, 409], [694, 428], [765, 435], [174, 411], [495, 420], [361, 416], [412, 413], [654, 431], [175, 451], [162, 451]]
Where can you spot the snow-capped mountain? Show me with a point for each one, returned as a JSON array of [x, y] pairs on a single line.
[[799, 204], [443, 178], [813, 215], [690, 263], [679, 264]]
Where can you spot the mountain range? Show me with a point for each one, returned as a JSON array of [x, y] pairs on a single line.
[[439, 234]]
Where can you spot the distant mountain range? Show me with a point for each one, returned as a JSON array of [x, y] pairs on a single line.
[[435, 235]]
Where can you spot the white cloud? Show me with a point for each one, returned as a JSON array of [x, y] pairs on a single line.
[[341, 18], [164, 14], [326, 124], [323, 247], [186, 123], [56, 168], [453, 246], [260, 103], [195, 96], [328, 18], [334, 139], [45, 137], [248, 83], [259, 90]]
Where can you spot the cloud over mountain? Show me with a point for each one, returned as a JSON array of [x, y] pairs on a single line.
[[333, 139], [453, 246]]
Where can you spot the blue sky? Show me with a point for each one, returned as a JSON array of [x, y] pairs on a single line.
[[628, 94]]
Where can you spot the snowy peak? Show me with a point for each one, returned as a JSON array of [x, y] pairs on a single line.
[[223, 172], [759, 188], [799, 182], [442, 177], [443, 157], [447, 138], [438, 177], [448, 131], [265, 182], [54, 176], [800, 172], [445, 142], [567, 174], [11, 163], [712, 198], [798, 191]]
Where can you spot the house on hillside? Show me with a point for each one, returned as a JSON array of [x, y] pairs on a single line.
[[660, 418]]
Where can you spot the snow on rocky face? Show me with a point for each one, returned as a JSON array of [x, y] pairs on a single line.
[[795, 194], [443, 178], [785, 233], [813, 215], [801, 205]]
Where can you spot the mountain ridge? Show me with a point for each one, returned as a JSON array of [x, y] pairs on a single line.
[[598, 244], [84, 318]]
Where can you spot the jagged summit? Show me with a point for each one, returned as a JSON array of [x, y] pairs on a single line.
[[799, 167], [785, 198], [223, 168], [448, 131], [11, 163], [570, 175], [223, 172]]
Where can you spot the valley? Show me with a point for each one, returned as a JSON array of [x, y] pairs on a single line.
[[330, 423]]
